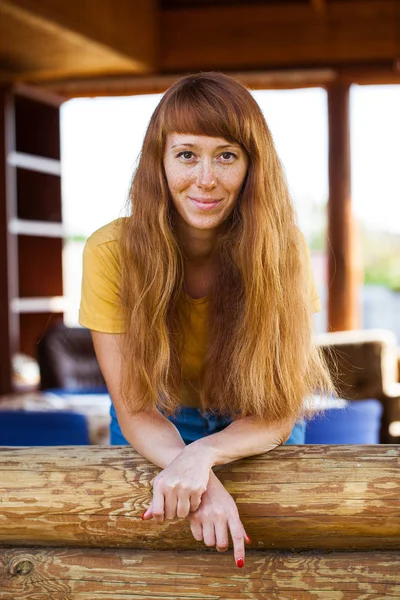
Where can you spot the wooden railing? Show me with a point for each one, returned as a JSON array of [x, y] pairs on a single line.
[[324, 523]]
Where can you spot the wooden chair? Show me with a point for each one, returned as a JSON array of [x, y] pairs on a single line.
[[364, 364]]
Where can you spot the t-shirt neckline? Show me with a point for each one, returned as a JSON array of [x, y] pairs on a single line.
[[202, 300]]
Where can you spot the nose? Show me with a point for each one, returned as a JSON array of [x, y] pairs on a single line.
[[206, 177]]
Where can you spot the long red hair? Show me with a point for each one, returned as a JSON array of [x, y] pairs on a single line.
[[261, 359]]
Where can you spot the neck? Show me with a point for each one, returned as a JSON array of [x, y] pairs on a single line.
[[198, 245]]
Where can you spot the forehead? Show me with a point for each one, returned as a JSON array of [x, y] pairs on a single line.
[[202, 141]]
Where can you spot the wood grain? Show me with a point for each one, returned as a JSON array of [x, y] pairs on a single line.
[[54, 40], [272, 36], [42, 39], [68, 574], [325, 497]]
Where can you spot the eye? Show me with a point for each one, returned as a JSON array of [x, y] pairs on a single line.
[[186, 155], [228, 156]]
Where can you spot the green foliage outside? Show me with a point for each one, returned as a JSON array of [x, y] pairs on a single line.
[[381, 258], [77, 238], [380, 250]]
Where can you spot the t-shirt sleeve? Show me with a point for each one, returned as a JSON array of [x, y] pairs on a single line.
[[101, 308], [315, 300]]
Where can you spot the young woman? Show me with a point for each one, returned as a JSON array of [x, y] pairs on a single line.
[[200, 304]]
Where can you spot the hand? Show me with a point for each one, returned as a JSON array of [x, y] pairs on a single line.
[[179, 488], [217, 515]]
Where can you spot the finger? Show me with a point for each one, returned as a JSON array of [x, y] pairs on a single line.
[[221, 537], [170, 504], [197, 530], [195, 501], [158, 506], [148, 514], [247, 538], [209, 534], [237, 535], [182, 507]]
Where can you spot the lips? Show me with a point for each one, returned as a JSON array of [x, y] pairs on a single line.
[[204, 203]]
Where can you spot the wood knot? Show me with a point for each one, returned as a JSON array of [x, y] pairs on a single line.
[[23, 567]]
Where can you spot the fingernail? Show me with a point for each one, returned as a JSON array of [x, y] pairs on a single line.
[[143, 515], [248, 540], [240, 563]]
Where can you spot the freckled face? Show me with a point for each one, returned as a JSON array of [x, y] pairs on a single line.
[[205, 176]]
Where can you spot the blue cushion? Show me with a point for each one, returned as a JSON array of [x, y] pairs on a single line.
[[358, 422], [43, 428]]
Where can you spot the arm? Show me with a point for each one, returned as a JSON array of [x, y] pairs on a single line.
[[158, 440], [217, 515], [244, 437], [178, 489], [151, 434]]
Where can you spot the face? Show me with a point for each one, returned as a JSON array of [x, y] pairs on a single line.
[[205, 176]]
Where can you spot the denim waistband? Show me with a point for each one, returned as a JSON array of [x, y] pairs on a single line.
[[193, 424]]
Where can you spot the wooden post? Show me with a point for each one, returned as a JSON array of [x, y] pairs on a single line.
[[9, 322], [343, 270]]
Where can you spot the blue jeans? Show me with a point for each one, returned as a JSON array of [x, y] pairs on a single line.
[[192, 425]]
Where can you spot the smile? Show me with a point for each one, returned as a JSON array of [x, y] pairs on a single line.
[[205, 204]]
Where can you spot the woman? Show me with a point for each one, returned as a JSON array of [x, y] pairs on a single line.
[[200, 304]]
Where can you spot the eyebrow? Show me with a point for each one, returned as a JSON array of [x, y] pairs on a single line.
[[217, 148]]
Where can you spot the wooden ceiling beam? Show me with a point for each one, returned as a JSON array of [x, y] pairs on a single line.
[[276, 36], [319, 6], [255, 80], [156, 84], [56, 39]]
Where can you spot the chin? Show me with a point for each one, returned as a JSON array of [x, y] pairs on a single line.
[[204, 225]]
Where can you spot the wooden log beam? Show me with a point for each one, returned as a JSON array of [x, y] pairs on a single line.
[[256, 80], [319, 497], [343, 268], [78, 574], [157, 84], [272, 36]]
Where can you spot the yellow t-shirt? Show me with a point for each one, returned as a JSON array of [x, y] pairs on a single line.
[[101, 308]]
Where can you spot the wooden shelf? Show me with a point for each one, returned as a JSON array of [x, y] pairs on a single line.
[[56, 304], [36, 126], [36, 228], [38, 196], [39, 267], [32, 235], [32, 327], [34, 163], [37, 94]]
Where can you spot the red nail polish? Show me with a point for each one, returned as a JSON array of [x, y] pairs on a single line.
[[144, 514], [240, 563], [248, 540]]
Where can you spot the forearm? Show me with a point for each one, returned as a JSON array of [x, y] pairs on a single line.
[[242, 438], [153, 436]]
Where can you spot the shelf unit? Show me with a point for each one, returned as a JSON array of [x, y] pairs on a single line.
[[31, 231]]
